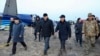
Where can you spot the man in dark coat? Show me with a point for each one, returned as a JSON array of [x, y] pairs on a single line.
[[47, 30], [18, 35], [10, 30], [78, 31], [98, 22], [64, 30], [36, 26]]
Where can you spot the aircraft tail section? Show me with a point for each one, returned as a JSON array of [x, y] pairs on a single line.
[[10, 8]]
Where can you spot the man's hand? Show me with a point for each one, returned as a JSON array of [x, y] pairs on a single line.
[[38, 33], [97, 34], [82, 32], [20, 36], [69, 38], [55, 35]]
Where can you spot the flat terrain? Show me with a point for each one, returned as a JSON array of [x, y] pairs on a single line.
[[35, 48]]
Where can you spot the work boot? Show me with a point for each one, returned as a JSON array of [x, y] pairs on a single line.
[[81, 45], [13, 54], [93, 45], [60, 52], [35, 39], [26, 48], [45, 53], [64, 50], [86, 52], [7, 45]]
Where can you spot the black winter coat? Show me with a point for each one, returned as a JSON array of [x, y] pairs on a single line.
[[36, 25], [64, 30], [78, 28], [46, 28]]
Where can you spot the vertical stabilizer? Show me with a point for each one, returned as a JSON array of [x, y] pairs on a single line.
[[10, 8]]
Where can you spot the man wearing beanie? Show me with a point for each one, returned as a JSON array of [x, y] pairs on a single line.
[[63, 27]]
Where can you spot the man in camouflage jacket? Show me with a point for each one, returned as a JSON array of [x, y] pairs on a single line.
[[90, 30]]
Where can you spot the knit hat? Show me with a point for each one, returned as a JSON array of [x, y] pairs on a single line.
[[45, 14], [62, 16]]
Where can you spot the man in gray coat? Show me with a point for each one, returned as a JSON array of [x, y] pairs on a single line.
[[18, 35]]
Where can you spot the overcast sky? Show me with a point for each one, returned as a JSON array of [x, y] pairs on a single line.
[[71, 8]]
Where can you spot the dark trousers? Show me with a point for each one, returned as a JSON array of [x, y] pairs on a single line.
[[37, 35], [46, 46], [14, 46], [62, 42], [79, 39], [9, 38]]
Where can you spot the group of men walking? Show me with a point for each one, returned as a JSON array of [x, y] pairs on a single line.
[[91, 30], [44, 28]]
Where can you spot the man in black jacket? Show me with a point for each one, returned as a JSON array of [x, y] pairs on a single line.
[[10, 30], [47, 29], [64, 30], [36, 26], [98, 22]]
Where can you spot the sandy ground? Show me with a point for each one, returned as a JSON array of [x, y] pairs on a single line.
[[35, 48]]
